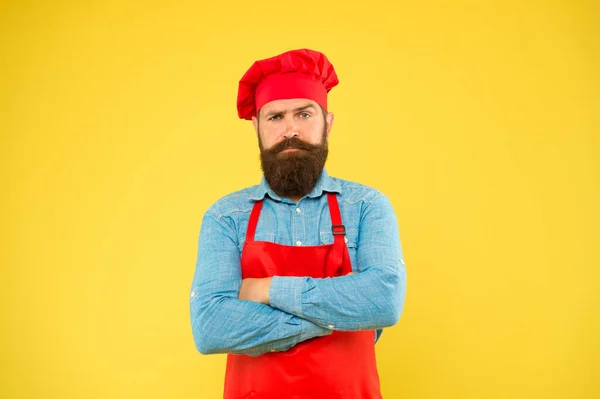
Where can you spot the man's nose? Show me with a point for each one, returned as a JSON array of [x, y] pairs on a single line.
[[290, 129], [289, 134]]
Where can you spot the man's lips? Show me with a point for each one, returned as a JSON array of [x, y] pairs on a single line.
[[290, 149]]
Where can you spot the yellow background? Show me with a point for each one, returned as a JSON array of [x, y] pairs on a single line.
[[480, 120]]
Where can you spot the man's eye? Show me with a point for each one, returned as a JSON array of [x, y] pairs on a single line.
[[275, 117], [304, 115]]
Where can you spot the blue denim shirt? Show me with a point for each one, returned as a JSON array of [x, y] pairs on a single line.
[[300, 307]]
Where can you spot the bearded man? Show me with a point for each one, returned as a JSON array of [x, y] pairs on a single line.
[[296, 277]]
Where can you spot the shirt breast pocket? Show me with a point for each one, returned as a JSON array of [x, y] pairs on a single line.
[[268, 237], [351, 239]]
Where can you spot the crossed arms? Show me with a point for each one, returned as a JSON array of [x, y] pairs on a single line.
[[256, 316]]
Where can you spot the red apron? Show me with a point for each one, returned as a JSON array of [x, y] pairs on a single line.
[[337, 366]]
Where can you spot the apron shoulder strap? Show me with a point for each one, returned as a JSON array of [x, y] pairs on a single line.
[[253, 221], [337, 227], [337, 256]]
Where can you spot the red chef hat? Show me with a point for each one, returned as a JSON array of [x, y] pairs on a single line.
[[294, 74]]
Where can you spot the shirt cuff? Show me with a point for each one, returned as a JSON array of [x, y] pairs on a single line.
[[311, 330], [285, 294]]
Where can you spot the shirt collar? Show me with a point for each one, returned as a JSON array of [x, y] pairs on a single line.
[[323, 184]]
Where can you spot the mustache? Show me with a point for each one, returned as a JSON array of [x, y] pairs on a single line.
[[292, 143]]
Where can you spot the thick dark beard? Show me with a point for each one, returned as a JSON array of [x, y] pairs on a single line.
[[294, 173]]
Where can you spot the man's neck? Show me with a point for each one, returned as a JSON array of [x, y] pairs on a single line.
[[294, 199]]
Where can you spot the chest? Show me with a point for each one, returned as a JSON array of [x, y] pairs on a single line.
[[305, 224]]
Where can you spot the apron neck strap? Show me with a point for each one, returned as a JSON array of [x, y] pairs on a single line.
[[337, 228], [336, 255], [253, 221]]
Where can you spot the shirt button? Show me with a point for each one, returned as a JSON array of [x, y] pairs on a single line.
[[330, 326], [298, 243], [298, 210]]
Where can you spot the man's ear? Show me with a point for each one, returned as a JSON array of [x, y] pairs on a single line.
[[255, 124], [329, 120]]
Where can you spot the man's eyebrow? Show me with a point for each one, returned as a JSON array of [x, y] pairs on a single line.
[[304, 107], [277, 112]]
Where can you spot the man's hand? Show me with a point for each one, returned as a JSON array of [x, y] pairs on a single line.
[[255, 290]]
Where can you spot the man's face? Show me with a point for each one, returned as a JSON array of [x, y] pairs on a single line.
[[292, 136], [281, 119]]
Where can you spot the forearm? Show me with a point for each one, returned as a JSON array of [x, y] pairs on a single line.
[[229, 325], [369, 300]]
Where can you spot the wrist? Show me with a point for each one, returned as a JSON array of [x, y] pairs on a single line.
[[266, 289]]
